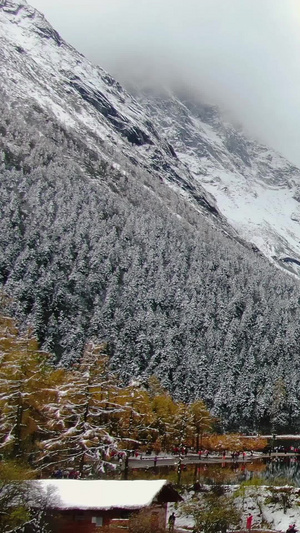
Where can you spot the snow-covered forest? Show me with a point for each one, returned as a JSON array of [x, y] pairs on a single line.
[[107, 235], [93, 250]]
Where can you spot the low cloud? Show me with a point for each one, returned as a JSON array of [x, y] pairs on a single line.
[[240, 54]]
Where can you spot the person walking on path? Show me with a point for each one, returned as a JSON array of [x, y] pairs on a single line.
[[171, 521]]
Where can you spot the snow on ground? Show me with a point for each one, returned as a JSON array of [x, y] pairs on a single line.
[[265, 516]]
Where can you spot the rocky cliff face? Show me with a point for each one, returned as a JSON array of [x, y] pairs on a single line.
[[37, 65], [255, 188]]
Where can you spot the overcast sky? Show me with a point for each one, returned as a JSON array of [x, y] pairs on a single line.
[[243, 55]]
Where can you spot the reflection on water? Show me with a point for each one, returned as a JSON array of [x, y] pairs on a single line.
[[285, 469], [282, 469], [227, 472]]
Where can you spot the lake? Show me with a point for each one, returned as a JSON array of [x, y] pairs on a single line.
[[282, 470]]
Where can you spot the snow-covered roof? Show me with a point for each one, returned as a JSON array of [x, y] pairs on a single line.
[[100, 494]]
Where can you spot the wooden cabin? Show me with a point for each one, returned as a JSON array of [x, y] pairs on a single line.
[[88, 506]]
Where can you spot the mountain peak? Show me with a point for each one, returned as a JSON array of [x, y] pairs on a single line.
[[22, 14], [12, 6]]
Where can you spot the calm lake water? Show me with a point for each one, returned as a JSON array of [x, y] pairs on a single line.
[[283, 470]]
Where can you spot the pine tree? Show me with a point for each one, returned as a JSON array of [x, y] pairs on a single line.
[[165, 411], [79, 419], [25, 388], [136, 422], [201, 421]]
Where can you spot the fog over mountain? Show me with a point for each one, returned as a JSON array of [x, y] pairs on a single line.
[[241, 55]]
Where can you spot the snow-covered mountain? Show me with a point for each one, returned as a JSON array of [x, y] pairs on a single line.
[[255, 188], [185, 141], [124, 219], [37, 65]]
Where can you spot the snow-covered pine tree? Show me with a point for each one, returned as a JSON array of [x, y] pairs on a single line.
[[79, 420], [25, 389]]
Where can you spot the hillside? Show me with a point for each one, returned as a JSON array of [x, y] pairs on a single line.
[[106, 233], [255, 188]]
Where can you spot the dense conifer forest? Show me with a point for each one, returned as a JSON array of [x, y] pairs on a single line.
[[97, 248]]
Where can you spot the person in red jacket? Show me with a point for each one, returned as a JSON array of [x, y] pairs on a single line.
[[249, 521]]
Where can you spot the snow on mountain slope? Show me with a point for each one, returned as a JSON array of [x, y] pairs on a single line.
[[183, 141], [255, 188], [96, 245], [37, 65]]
